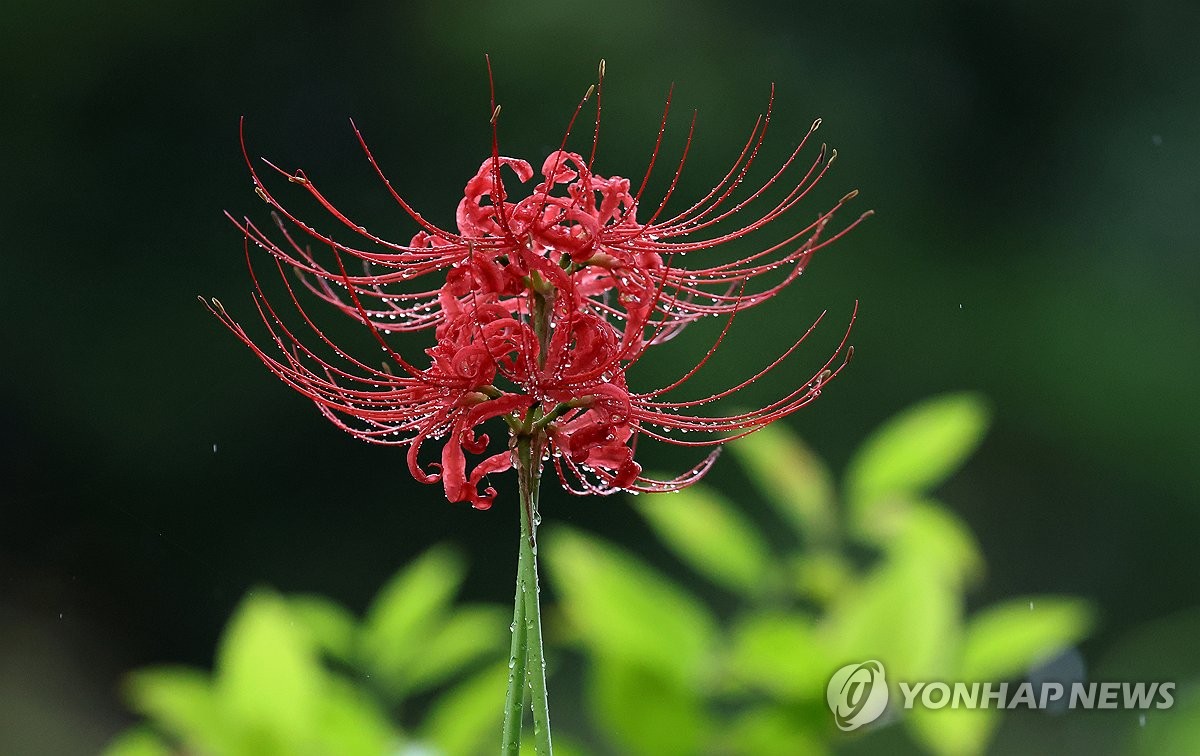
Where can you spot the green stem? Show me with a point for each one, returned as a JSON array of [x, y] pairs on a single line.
[[513, 702], [527, 633]]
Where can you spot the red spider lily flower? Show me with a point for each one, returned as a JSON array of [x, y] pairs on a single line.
[[572, 214], [542, 304]]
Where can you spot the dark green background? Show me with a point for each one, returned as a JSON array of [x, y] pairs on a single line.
[[1034, 171]]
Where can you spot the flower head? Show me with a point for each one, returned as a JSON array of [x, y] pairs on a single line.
[[540, 301]]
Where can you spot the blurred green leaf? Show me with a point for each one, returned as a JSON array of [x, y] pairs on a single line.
[[710, 534], [330, 625], [403, 616], [467, 718], [1007, 639], [645, 713], [902, 614], [268, 680], [779, 653], [1162, 649], [792, 478], [470, 634], [624, 610], [138, 741], [929, 532], [351, 723], [179, 700], [821, 575], [953, 732], [1174, 732], [915, 451], [562, 746], [774, 731]]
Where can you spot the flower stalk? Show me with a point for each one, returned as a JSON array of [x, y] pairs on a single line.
[[528, 660], [513, 702]]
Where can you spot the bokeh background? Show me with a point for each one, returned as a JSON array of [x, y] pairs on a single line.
[[1033, 168]]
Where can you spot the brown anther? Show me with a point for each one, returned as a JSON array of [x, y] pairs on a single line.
[[472, 398], [602, 260], [849, 196], [262, 194], [495, 115]]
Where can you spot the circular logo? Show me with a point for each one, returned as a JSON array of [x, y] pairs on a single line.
[[857, 694]]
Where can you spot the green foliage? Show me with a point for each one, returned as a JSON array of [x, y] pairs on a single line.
[[466, 719], [756, 639], [302, 675], [1008, 638], [884, 578], [406, 616], [792, 478], [181, 703], [270, 694], [647, 713], [911, 454], [1173, 733], [1164, 649], [331, 627], [268, 682], [625, 610], [709, 532], [883, 575], [138, 741]]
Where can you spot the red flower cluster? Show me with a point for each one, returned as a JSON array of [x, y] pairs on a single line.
[[541, 305]]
